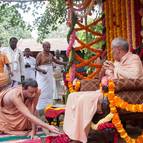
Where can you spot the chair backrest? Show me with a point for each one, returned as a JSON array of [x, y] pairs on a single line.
[[131, 90]]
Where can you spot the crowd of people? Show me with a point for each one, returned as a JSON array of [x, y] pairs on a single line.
[[22, 79], [21, 105]]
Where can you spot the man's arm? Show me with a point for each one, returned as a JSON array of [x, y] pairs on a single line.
[[9, 69], [22, 66], [6, 62], [17, 101], [59, 62]]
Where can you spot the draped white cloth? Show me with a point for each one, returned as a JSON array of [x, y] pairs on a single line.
[[47, 85], [30, 71]]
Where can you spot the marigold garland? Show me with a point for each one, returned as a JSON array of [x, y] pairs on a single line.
[[117, 102], [114, 19], [72, 7], [82, 27], [127, 21], [133, 24]]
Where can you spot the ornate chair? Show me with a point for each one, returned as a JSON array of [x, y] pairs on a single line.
[[130, 90]]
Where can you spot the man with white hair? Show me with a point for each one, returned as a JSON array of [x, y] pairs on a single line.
[[81, 106]]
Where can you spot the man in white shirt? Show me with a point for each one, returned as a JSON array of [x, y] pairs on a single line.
[[16, 60], [30, 63]]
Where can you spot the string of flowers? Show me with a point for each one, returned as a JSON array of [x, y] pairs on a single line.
[[90, 76], [84, 8], [129, 20], [107, 27], [83, 45], [88, 45], [117, 102], [133, 24], [71, 42], [88, 30], [72, 20], [114, 18], [123, 19], [87, 5]]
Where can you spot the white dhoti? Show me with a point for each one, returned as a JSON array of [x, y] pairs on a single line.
[[29, 73], [46, 84]]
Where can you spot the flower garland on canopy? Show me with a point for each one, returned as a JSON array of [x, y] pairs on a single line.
[[133, 24], [73, 10], [120, 21]]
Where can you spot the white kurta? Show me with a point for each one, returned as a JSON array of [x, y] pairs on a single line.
[[30, 71], [16, 60]]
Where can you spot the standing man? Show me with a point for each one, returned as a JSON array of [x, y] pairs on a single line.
[[44, 76], [16, 60], [58, 75], [30, 63]]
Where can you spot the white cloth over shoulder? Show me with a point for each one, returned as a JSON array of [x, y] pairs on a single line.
[[30, 71], [47, 85]]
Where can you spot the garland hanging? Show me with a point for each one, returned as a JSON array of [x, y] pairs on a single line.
[[117, 102]]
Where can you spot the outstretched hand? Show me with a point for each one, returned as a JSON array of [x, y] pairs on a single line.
[[54, 129], [31, 134]]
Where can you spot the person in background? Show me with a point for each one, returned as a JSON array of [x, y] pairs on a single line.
[[58, 75], [4, 77], [16, 61], [30, 63], [18, 110], [44, 76]]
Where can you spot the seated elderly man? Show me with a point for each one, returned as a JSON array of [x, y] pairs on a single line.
[[17, 109], [81, 106]]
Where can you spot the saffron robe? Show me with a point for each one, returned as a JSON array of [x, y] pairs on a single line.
[[12, 121]]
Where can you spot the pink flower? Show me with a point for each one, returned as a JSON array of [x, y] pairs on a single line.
[[104, 81]]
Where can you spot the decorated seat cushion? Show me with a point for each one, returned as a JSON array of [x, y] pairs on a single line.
[[89, 85]]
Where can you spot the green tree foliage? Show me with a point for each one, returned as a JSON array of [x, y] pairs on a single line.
[[11, 24], [54, 15]]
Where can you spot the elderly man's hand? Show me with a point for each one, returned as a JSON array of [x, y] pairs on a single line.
[[108, 65]]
